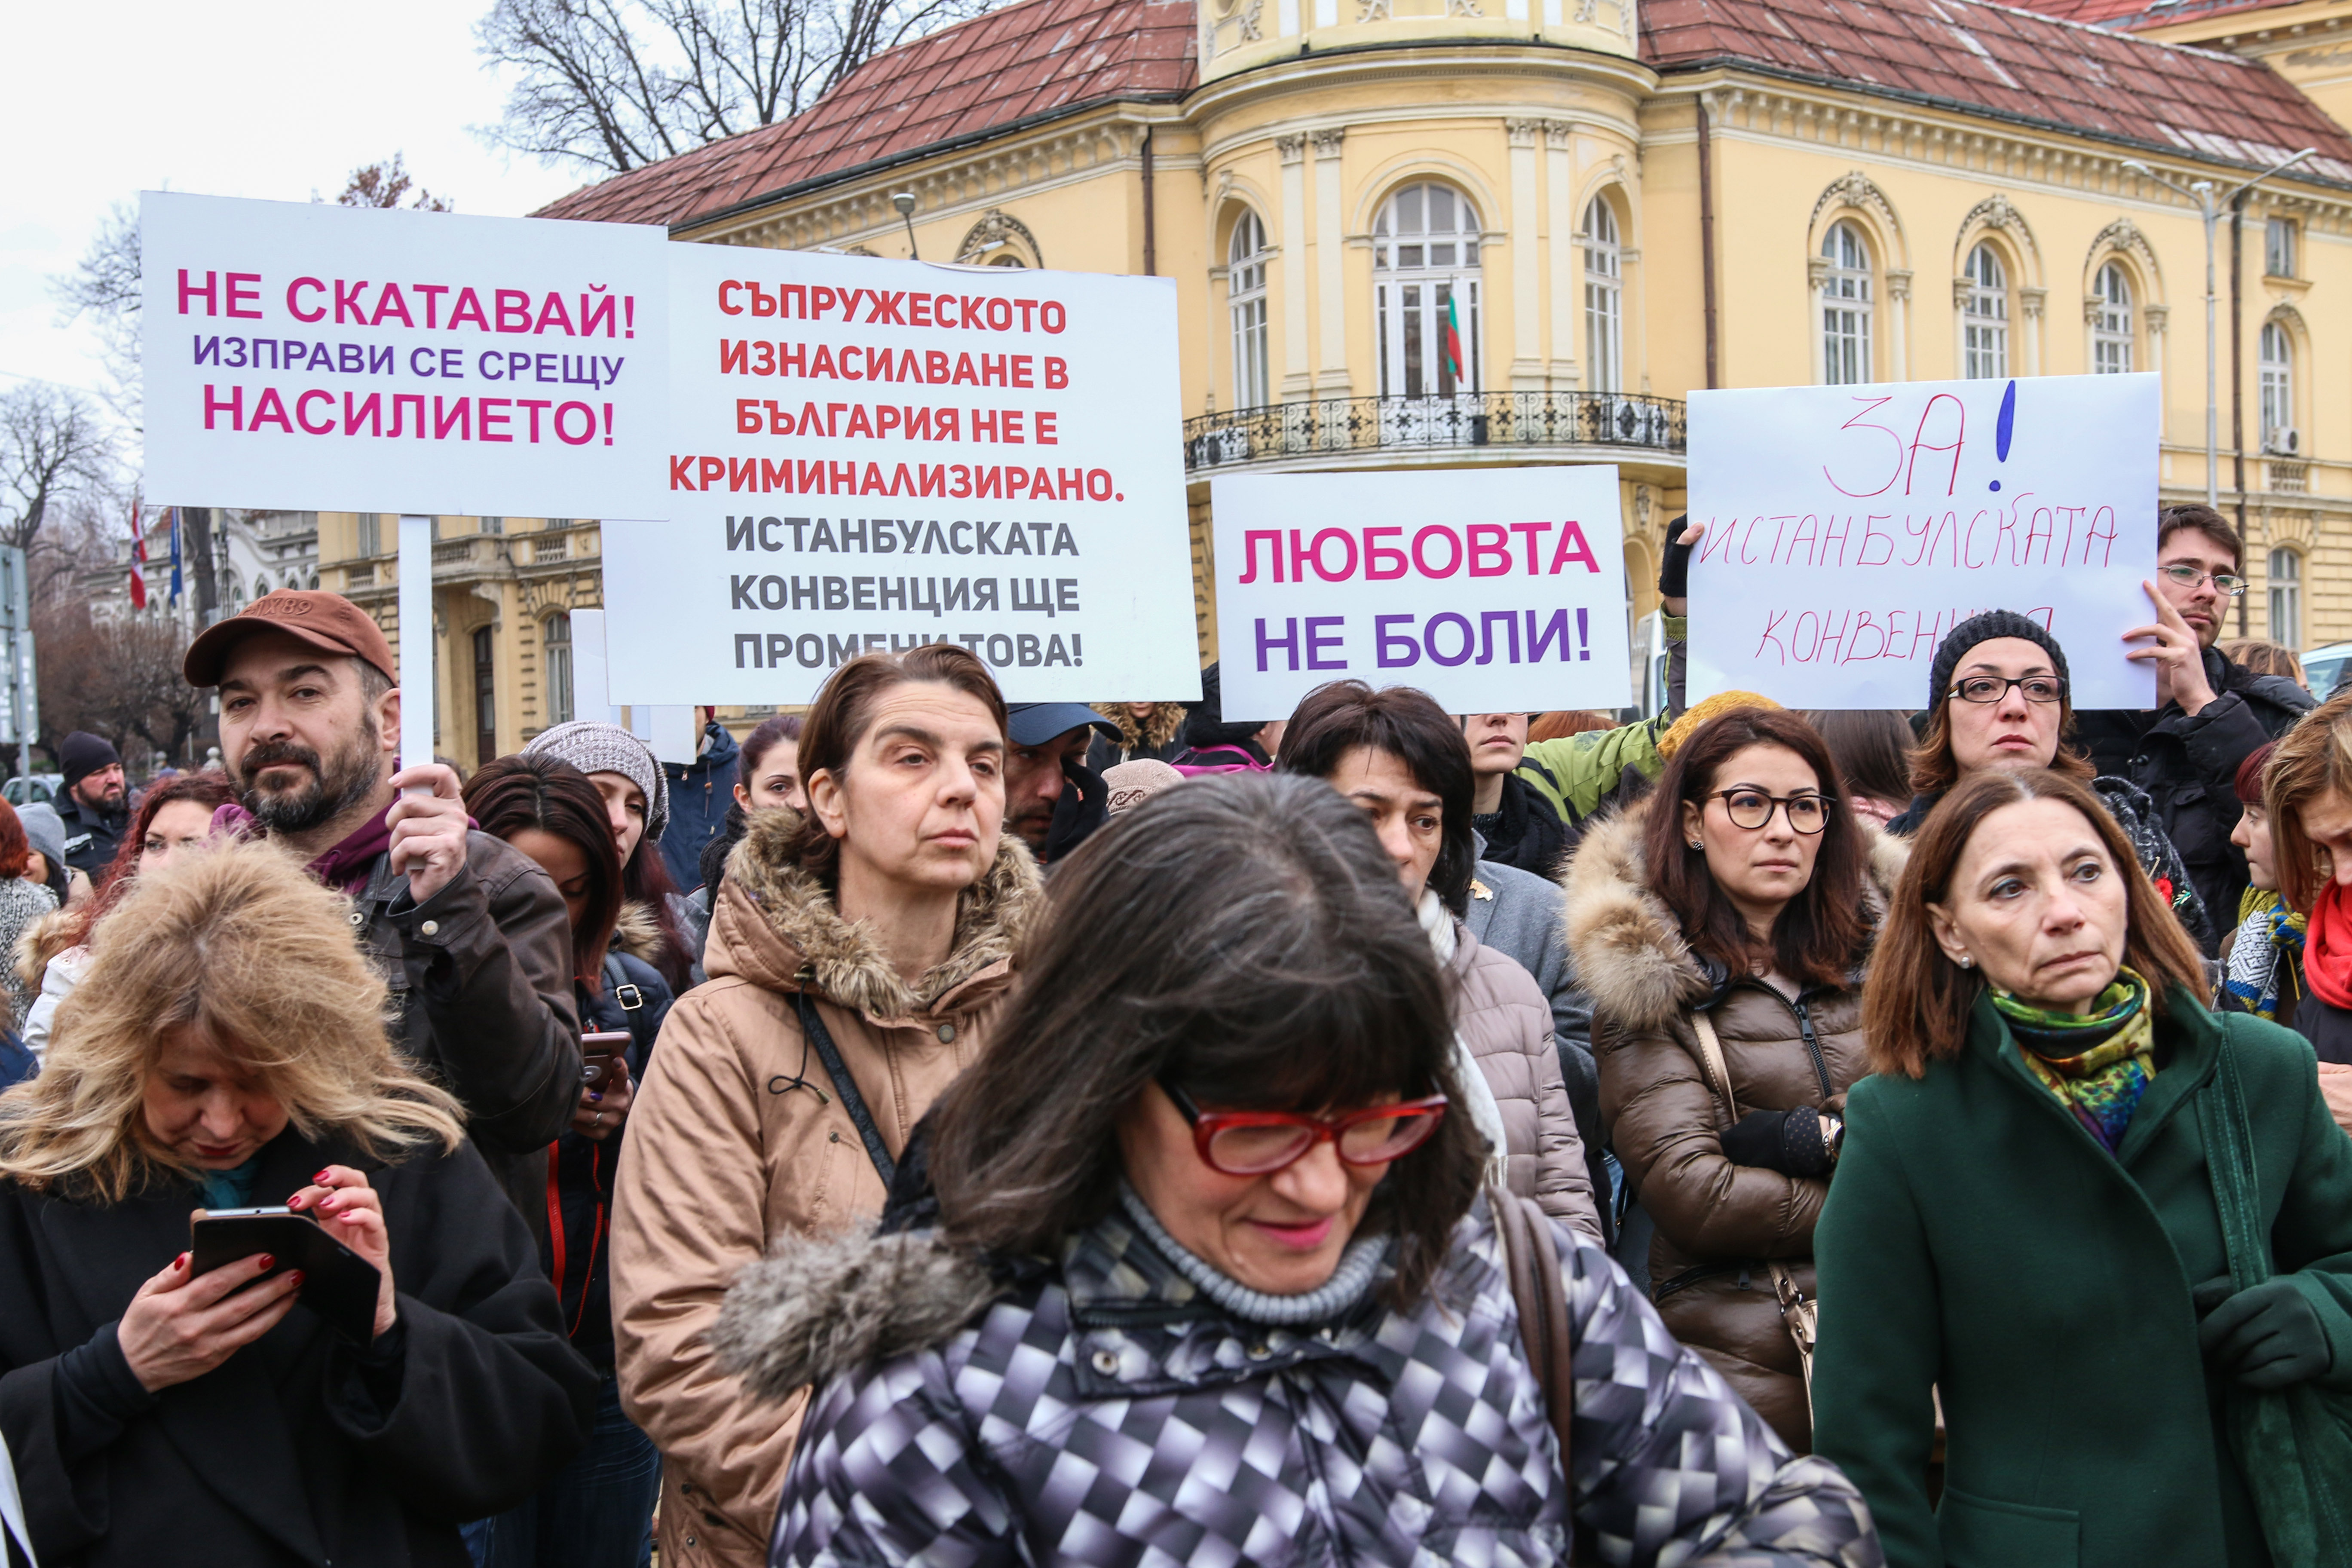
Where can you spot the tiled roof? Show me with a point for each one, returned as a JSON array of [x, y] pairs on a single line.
[[1036, 58], [2022, 65], [2130, 15], [1021, 63]]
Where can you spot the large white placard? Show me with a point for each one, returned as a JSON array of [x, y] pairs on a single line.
[[1849, 527], [873, 454], [1490, 589], [355, 359]]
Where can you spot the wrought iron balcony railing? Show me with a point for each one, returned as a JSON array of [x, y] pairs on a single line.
[[1331, 425]]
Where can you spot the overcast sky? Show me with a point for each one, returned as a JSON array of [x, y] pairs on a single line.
[[258, 98]]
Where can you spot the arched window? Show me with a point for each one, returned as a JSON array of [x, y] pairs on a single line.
[[1604, 299], [2278, 387], [1846, 307], [1425, 294], [1245, 300], [555, 649], [2287, 598], [2111, 330], [1984, 317]]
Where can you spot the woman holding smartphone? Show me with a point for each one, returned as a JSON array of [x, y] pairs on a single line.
[[598, 1513], [226, 1049]]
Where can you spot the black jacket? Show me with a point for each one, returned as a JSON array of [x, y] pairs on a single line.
[[300, 1447], [2190, 768], [481, 980], [1526, 832], [92, 837]]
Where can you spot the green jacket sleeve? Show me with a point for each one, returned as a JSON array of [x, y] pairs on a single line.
[[1874, 1368], [2311, 1236], [1575, 773]]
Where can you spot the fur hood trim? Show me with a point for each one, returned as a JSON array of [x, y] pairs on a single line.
[[816, 1306], [42, 941], [846, 963], [1167, 719], [1628, 948], [638, 934]]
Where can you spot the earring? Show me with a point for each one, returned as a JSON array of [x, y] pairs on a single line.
[[1696, 845], [1966, 963]]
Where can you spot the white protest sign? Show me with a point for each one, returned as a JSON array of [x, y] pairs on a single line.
[[1850, 528], [357, 359], [1490, 589], [873, 454]]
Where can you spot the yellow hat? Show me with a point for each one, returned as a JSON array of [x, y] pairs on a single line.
[[1704, 712]]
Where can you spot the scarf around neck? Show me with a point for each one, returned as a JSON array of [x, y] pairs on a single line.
[[2264, 958], [345, 867], [1348, 1283], [2097, 1065], [2328, 948]]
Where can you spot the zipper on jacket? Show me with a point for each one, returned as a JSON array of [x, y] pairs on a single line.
[[1812, 1045]]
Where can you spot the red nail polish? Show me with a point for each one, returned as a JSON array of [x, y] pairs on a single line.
[[319, 1177], [267, 1262], [181, 1261], [296, 1276]]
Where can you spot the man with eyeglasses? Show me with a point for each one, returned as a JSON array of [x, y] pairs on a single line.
[[2210, 715]]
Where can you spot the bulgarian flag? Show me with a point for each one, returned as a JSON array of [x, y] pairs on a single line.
[[1453, 338], [138, 560]]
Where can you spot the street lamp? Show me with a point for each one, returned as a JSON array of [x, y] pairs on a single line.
[[2201, 192], [904, 202]]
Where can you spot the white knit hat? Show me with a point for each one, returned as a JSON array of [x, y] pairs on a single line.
[[595, 748]]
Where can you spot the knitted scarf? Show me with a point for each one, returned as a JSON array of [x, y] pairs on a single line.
[[2097, 1065], [2328, 948], [2267, 953]]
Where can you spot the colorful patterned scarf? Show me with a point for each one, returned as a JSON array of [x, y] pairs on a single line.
[[2267, 953], [2098, 1065]]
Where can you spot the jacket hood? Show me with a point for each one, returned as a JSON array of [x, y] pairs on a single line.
[[1627, 946], [721, 754], [775, 925], [816, 1306], [42, 940], [638, 934]]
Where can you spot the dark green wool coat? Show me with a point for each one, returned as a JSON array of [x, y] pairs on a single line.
[[1978, 1239]]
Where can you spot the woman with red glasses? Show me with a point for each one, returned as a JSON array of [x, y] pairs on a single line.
[[1212, 1280]]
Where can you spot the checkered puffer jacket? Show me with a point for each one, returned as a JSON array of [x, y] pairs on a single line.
[[1107, 1413]]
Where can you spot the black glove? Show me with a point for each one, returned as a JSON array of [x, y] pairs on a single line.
[[2267, 1337], [1673, 567], [1789, 1142]]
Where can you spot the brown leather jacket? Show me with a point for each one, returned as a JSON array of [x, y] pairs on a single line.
[[1716, 1222], [729, 1150]]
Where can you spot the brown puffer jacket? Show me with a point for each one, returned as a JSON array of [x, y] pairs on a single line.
[[1716, 1222], [728, 1150]]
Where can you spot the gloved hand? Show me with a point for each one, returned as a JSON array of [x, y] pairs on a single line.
[[1674, 566], [2267, 1337], [1789, 1141]]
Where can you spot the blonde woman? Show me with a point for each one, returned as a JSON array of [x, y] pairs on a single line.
[[225, 1050]]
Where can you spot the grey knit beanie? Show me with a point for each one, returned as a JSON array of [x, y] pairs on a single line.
[[1984, 629], [44, 830], [595, 748]]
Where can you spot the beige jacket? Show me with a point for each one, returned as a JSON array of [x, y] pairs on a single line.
[[728, 1150]]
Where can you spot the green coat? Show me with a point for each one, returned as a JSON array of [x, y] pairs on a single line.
[[1978, 1241]]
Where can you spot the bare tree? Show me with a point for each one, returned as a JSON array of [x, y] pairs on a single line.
[[383, 186], [117, 676], [53, 452], [105, 285], [616, 84]]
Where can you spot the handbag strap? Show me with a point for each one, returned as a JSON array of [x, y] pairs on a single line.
[[813, 1026], [2230, 1166], [1714, 1069], [1792, 1302], [1531, 1261]]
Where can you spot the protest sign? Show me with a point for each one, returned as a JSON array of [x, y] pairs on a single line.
[[1850, 528], [343, 358], [1488, 588], [873, 454]]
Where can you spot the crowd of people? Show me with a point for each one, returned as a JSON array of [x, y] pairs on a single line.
[[934, 1129]]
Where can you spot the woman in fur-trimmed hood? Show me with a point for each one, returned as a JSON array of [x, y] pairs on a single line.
[[891, 915], [1145, 730], [1672, 918]]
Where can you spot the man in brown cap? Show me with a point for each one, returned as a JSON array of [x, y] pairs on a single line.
[[470, 934]]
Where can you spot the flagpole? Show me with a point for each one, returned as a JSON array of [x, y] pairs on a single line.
[[415, 641]]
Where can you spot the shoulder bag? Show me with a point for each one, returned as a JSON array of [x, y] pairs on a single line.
[[2293, 1445]]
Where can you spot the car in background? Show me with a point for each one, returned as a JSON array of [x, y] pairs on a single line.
[[45, 788], [2324, 666]]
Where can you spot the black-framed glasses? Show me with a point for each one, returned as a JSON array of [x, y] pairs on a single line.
[[2228, 584], [2041, 688], [1260, 1142], [1752, 809]]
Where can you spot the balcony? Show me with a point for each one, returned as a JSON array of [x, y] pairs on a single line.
[[1294, 435]]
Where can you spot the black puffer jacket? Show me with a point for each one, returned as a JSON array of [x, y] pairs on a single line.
[[2189, 767]]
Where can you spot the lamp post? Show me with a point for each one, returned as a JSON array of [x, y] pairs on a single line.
[[2201, 193], [904, 202]]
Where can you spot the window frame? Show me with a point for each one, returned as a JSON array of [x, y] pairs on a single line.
[[556, 667], [1246, 299], [1604, 295], [2274, 381], [1406, 321], [2284, 589], [2281, 243], [1985, 315], [2115, 329], [1848, 306]]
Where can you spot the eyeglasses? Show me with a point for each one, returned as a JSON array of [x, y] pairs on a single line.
[[1260, 1142], [1752, 808], [2043, 688], [2228, 584]]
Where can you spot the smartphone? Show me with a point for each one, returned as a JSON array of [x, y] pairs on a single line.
[[596, 1052], [337, 1283]]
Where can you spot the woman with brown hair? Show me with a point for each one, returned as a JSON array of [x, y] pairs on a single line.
[[858, 953], [2051, 1179], [227, 1048], [1721, 925], [23, 903]]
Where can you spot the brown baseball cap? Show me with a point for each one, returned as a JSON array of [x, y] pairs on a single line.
[[328, 622]]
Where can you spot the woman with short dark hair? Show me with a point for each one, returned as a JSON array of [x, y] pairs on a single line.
[[2107, 1228]]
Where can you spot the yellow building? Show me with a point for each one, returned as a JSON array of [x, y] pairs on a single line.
[[1606, 205]]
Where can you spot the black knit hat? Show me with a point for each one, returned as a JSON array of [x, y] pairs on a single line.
[[82, 754], [1984, 629]]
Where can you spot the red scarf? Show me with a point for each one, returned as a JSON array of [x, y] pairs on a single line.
[[2328, 948], [344, 867]]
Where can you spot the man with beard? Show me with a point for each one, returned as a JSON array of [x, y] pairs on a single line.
[[96, 804], [470, 934], [2210, 714], [1052, 799]]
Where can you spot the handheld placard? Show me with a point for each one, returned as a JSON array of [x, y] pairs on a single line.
[[415, 645]]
